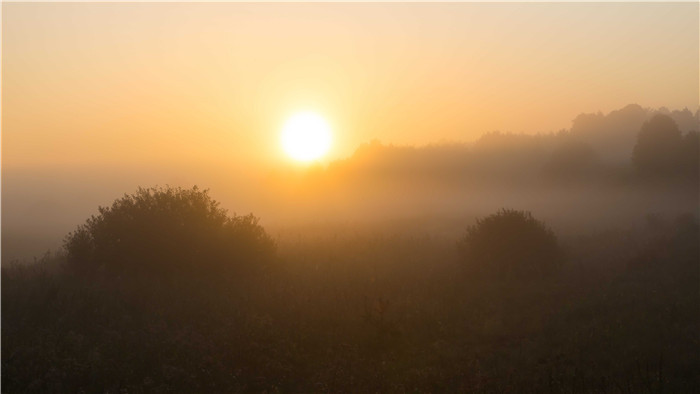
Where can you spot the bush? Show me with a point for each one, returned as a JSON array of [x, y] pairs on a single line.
[[510, 243], [165, 231]]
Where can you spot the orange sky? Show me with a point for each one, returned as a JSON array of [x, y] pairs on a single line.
[[91, 84]]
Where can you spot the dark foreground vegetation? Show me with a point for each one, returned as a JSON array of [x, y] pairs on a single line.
[[164, 292]]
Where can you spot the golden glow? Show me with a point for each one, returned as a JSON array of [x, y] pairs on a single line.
[[306, 136], [88, 84]]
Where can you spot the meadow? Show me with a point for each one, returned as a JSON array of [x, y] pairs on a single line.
[[164, 290], [356, 312], [350, 197]]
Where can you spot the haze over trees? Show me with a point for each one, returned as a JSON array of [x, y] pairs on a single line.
[[663, 151], [444, 197], [543, 173], [596, 144], [585, 145], [164, 290], [390, 182], [614, 133]]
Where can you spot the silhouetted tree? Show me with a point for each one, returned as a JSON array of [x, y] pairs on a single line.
[[510, 243], [610, 135], [658, 148], [167, 231]]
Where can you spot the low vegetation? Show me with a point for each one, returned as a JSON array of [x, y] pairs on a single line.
[[510, 244], [353, 313], [165, 232]]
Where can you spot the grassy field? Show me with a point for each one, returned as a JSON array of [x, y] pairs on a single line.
[[367, 314]]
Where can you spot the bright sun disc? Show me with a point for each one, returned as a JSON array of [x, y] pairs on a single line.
[[306, 136]]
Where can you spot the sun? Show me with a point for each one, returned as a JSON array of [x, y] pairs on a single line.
[[306, 136]]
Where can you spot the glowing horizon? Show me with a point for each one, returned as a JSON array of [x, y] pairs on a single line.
[[117, 83]]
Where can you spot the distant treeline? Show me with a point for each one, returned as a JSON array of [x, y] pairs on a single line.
[[628, 144]]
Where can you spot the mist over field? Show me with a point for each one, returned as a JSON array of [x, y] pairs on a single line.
[[342, 197], [512, 263], [580, 178]]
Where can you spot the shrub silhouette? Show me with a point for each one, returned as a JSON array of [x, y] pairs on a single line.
[[510, 243], [166, 231]]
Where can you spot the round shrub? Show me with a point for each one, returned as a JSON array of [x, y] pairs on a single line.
[[510, 243], [166, 231]]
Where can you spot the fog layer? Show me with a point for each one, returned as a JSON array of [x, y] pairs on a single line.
[[578, 179]]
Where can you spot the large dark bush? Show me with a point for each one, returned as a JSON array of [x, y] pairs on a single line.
[[168, 231], [510, 243]]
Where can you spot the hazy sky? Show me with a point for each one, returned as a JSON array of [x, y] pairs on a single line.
[[110, 84]]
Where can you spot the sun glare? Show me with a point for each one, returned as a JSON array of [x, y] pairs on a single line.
[[306, 136]]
